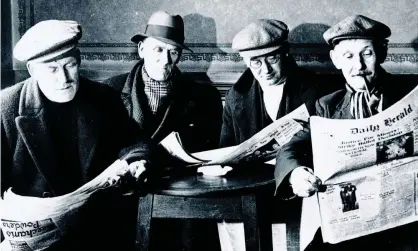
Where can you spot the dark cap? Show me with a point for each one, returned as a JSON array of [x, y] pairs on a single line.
[[164, 27], [260, 37], [354, 27]]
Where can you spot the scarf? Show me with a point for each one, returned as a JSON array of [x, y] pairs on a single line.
[[364, 104], [157, 91]]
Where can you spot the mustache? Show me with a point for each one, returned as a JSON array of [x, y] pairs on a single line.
[[362, 73]]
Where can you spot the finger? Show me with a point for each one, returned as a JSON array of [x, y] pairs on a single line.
[[305, 186], [139, 171], [315, 181], [303, 194], [309, 170]]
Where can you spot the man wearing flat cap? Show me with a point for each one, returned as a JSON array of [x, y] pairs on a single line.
[[271, 87], [160, 98], [60, 130], [359, 48]]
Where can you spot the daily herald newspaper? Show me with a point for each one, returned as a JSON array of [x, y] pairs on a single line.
[[30, 223], [370, 169], [257, 147]]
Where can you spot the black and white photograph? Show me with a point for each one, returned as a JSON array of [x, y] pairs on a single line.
[[120, 121]]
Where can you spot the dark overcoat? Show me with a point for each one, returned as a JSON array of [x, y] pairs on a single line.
[[194, 111], [245, 114], [298, 152], [104, 133]]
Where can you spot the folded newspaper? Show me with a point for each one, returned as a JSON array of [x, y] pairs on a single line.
[[262, 146], [370, 168], [31, 223]]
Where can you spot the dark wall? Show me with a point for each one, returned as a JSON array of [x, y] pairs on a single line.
[[210, 26], [7, 73]]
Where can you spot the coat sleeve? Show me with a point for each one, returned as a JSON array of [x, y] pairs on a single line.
[[297, 152], [227, 132], [132, 141]]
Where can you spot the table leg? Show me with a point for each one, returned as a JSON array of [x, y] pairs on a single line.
[[143, 228], [250, 220]]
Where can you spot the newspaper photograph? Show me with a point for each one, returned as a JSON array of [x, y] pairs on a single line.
[[259, 147], [369, 167]]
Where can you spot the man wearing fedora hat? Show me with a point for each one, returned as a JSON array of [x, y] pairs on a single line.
[[160, 98], [59, 132], [359, 48]]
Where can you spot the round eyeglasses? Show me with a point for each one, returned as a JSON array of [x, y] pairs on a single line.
[[256, 63]]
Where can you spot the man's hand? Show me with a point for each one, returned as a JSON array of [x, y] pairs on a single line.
[[136, 168], [303, 181]]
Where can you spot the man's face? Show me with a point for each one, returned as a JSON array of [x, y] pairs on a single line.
[[159, 58], [267, 69], [58, 80], [357, 59]]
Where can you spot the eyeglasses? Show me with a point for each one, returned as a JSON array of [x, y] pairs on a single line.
[[256, 63]]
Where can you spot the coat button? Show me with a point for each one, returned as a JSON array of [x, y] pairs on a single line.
[[46, 194]]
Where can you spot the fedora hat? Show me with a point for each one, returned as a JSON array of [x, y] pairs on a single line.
[[164, 27]]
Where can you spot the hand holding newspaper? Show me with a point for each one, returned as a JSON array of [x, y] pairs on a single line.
[[256, 148], [31, 223], [370, 168]]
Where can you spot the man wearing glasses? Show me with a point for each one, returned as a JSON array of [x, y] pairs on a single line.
[[272, 87]]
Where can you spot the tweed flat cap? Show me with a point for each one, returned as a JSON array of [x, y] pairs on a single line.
[[357, 26], [47, 39], [260, 37]]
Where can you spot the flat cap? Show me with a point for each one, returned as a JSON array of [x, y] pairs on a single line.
[[260, 37], [47, 39], [357, 26]]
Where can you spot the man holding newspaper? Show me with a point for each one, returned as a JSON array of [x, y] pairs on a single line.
[[59, 132], [359, 48]]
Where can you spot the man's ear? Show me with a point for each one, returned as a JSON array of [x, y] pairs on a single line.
[[335, 59], [180, 53], [141, 49], [383, 52], [30, 68]]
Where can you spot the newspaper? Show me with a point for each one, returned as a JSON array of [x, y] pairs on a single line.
[[31, 223], [369, 167], [263, 146]]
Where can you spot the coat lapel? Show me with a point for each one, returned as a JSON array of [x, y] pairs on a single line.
[[32, 126], [88, 130], [342, 110]]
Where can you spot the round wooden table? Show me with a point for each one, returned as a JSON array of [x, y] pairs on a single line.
[[240, 195]]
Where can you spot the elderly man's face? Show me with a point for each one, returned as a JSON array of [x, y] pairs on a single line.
[[267, 69], [159, 58], [58, 80], [357, 59]]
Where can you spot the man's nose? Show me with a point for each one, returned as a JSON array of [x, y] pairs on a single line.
[[165, 57], [62, 77], [265, 67], [358, 63]]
